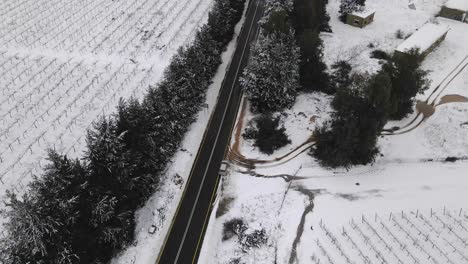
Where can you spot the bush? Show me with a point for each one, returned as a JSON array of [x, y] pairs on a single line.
[[380, 55], [399, 34], [268, 136], [237, 227], [254, 239], [236, 261], [341, 75], [82, 211], [233, 227]]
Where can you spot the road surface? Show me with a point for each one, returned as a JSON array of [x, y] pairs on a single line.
[[185, 237]]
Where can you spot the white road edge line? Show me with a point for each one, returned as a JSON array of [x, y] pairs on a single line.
[[247, 43]]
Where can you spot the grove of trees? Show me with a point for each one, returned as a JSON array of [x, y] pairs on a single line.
[[82, 210], [363, 104]]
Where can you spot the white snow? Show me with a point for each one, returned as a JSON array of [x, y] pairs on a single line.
[[457, 4], [424, 38], [409, 200], [161, 207], [364, 13], [65, 63]]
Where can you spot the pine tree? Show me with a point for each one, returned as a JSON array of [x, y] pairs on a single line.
[[271, 79], [361, 111], [379, 92], [310, 17], [350, 137], [349, 6], [341, 75], [41, 223], [324, 17], [313, 71], [408, 80], [277, 22]]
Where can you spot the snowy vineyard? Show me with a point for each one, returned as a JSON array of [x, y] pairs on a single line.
[[65, 63], [416, 237]]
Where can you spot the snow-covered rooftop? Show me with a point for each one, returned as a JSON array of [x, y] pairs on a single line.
[[457, 4], [363, 13], [424, 38]]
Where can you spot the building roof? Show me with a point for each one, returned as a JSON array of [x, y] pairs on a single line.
[[424, 38], [363, 13], [457, 4]]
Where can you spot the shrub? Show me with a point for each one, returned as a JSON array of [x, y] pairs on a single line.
[[399, 34], [267, 134], [233, 227], [380, 55], [254, 239], [341, 75]]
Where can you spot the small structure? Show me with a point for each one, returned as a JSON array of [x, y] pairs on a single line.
[[456, 10], [223, 170], [426, 39], [360, 18]]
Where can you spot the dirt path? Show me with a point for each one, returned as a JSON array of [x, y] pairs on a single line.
[[427, 108], [239, 127], [300, 228], [235, 156], [452, 98]]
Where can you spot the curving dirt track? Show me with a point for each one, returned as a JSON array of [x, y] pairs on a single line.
[[427, 107]]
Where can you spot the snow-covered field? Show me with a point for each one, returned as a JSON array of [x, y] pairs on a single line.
[[65, 63], [407, 207]]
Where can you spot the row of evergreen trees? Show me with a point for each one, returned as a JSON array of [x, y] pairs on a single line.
[[288, 56], [363, 104], [286, 59], [271, 79], [309, 18], [82, 211]]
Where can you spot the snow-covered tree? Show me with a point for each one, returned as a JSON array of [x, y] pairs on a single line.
[[349, 6], [83, 211], [271, 79]]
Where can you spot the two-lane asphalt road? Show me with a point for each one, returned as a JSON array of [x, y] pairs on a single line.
[[185, 236]]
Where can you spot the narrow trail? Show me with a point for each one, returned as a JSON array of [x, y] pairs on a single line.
[[426, 108], [236, 157], [300, 228]]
